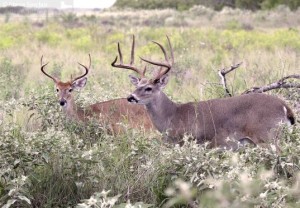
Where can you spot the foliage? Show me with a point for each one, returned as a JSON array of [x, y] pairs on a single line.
[[50, 164], [215, 4], [48, 161], [11, 79]]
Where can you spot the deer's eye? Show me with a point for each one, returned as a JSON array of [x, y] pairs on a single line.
[[57, 90], [70, 90], [148, 89]]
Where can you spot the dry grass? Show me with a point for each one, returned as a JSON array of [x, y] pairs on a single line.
[[53, 162]]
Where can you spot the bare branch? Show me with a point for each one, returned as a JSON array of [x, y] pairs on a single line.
[[293, 76], [222, 73], [276, 85]]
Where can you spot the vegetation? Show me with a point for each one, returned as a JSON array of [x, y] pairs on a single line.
[[215, 4], [48, 161]]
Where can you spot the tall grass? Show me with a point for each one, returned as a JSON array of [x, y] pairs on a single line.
[[48, 161]]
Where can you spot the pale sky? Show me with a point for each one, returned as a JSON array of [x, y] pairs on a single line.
[[59, 3], [93, 3]]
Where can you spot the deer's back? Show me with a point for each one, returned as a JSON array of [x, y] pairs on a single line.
[[252, 115], [246, 109], [119, 111]]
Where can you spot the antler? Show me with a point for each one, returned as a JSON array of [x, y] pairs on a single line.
[[167, 64], [130, 65], [42, 69], [86, 69]]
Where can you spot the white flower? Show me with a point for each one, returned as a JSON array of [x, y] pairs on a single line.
[[263, 195]]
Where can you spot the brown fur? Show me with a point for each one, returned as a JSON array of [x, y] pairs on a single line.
[[250, 118], [109, 113], [114, 112], [253, 116]]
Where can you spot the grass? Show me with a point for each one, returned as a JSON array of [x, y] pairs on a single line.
[[48, 161]]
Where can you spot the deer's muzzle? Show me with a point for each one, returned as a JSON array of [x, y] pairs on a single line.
[[132, 99], [62, 102]]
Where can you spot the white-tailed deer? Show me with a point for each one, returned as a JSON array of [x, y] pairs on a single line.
[[110, 113], [250, 118]]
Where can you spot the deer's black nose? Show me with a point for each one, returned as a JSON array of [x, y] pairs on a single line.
[[132, 99], [62, 102]]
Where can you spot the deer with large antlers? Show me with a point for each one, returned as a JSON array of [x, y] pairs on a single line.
[[252, 118], [110, 113]]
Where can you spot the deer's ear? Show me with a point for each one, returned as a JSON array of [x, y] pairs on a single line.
[[80, 83], [163, 81], [134, 80]]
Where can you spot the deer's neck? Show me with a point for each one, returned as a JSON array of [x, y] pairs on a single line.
[[73, 111], [161, 110]]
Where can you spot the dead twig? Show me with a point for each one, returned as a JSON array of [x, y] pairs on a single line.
[[222, 73], [276, 85], [282, 83]]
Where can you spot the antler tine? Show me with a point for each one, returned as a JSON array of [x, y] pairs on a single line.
[[132, 50], [42, 69], [120, 53], [90, 59], [130, 65], [144, 71], [167, 65], [86, 69], [163, 50], [171, 49]]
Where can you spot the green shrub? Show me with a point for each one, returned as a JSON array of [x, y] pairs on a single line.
[[49, 161], [11, 79], [48, 37], [217, 5]]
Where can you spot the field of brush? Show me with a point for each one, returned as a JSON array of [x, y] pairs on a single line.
[[48, 161]]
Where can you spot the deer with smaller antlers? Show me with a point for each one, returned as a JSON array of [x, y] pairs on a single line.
[[252, 118], [111, 112]]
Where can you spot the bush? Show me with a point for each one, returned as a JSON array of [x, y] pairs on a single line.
[[11, 79], [49, 161], [215, 4], [47, 37], [60, 163]]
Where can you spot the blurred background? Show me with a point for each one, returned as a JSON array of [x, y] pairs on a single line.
[[206, 35]]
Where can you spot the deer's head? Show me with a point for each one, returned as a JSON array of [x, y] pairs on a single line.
[[146, 89], [65, 89]]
